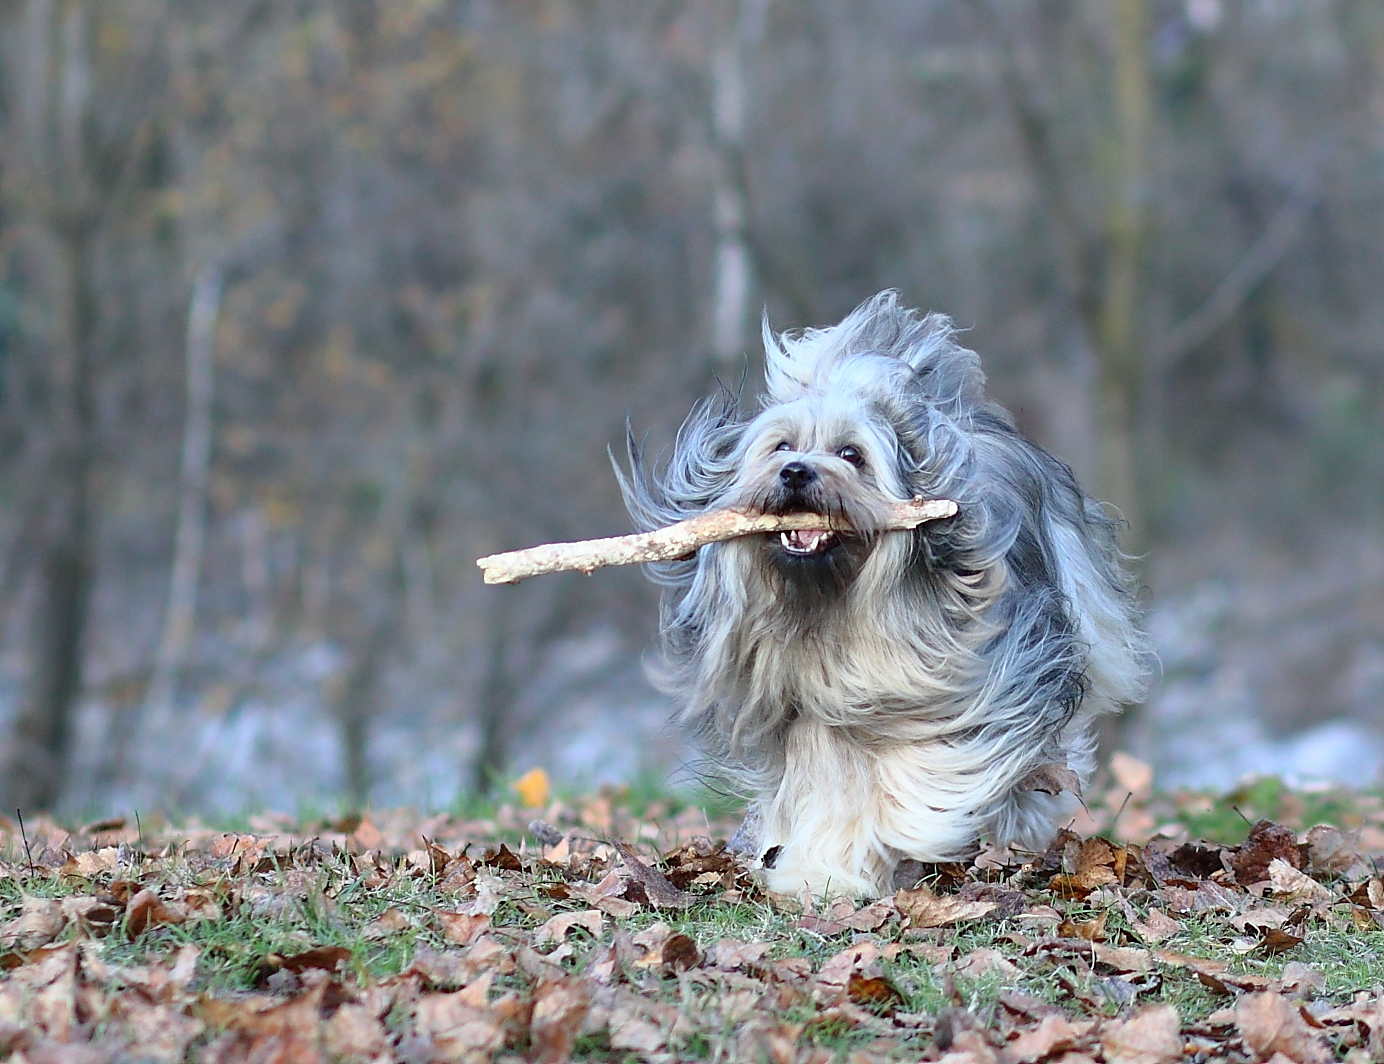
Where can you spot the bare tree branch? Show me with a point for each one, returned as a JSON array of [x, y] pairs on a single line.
[[1246, 275]]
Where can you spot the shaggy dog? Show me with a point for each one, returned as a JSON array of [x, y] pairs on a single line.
[[889, 695]]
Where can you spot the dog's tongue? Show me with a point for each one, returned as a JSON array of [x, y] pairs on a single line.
[[807, 539]]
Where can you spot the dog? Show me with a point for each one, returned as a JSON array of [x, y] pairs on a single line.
[[887, 695]]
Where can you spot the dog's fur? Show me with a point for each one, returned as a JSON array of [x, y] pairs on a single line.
[[888, 697]]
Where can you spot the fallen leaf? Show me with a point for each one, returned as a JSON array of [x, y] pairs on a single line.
[[921, 908], [1051, 778], [556, 929], [1123, 958], [367, 836], [354, 1034], [1156, 927], [559, 1007], [1277, 940], [1287, 882], [1260, 919], [1332, 849], [986, 961], [1299, 977], [661, 893], [388, 923], [39, 922], [1133, 775], [1090, 930], [820, 925], [1054, 1034], [874, 993], [502, 858], [838, 969], [1150, 1036], [322, 958], [460, 1026], [146, 910], [680, 953], [1267, 842], [532, 788], [462, 928], [1270, 1023], [729, 955]]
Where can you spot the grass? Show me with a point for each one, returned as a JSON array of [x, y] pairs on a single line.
[[382, 910]]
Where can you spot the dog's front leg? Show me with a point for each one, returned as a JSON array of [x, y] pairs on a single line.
[[820, 828]]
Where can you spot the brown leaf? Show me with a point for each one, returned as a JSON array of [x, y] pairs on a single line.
[[986, 961], [1330, 849], [680, 953], [661, 893], [460, 1026], [504, 859], [390, 922], [1123, 958], [871, 917], [1133, 775], [1276, 940], [462, 928], [820, 925], [156, 1033], [1090, 930], [559, 1007], [1369, 894], [1270, 1023], [922, 908], [354, 1034], [1054, 1034], [729, 955], [1267, 842], [454, 968], [838, 969], [40, 921], [557, 928], [1157, 927], [145, 911], [1096, 861], [1290, 884], [874, 993], [367, 836], [1150, 1036], [1051, 778]]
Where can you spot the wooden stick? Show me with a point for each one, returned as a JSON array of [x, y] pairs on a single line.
[[682, 539]]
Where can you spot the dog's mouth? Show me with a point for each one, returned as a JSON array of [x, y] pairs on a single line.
[[805, 542]]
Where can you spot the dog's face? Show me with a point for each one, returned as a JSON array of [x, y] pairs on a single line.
[[836, 456]]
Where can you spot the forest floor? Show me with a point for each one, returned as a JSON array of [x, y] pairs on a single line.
[[620, 929]]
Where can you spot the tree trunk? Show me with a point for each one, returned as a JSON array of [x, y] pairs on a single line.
[[1118, 331], [738, 26], [37, 773], [180, 612]]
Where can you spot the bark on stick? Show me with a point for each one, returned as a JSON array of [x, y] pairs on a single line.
[[681, 539]]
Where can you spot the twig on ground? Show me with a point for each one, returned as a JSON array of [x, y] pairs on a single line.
[[682, 539]]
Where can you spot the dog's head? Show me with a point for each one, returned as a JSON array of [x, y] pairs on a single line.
[[868, 413]]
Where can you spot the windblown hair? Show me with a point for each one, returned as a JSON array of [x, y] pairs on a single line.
[[888, 695]]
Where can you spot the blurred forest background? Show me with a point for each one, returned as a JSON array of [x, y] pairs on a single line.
[[306, 304]]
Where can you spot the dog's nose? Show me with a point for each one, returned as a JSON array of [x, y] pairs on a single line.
[[797, 475]]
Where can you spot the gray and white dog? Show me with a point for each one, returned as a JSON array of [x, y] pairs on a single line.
[[888, 695]]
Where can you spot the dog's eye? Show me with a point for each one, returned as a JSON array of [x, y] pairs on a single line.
[[784, 446], [852, 455]]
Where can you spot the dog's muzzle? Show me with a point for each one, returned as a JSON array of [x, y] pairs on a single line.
[[796, 478]]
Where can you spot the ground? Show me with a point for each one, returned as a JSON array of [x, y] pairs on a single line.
[[616, 927]]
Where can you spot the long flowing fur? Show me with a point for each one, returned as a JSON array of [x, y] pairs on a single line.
[[886, 698]]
